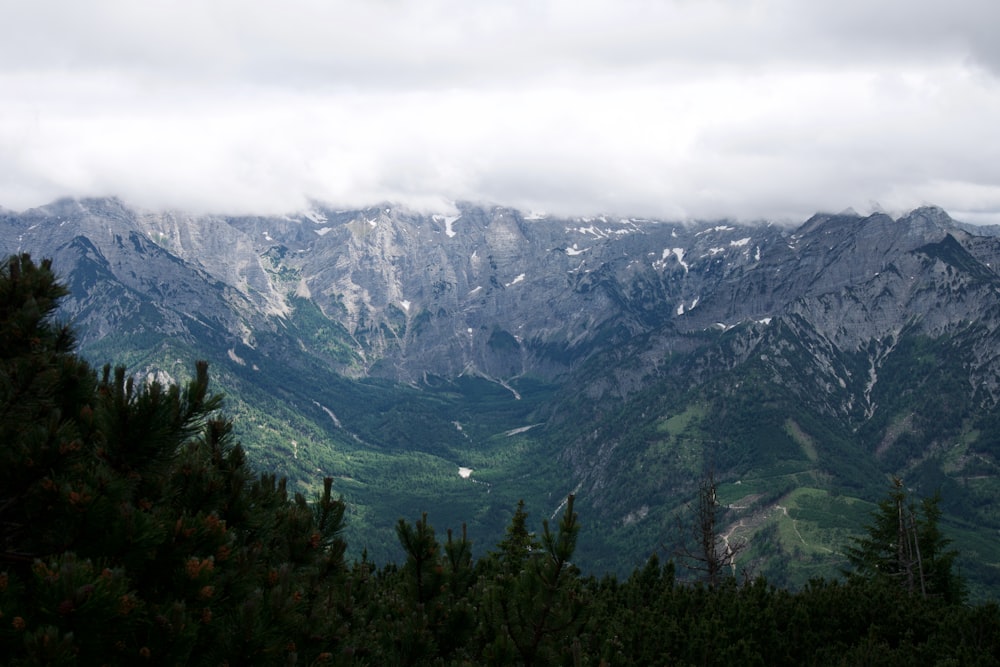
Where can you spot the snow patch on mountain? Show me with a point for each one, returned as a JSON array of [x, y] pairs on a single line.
[[518, 279], [316, 216], [677, 253], [717, 228], [449, 221], [329, 412]]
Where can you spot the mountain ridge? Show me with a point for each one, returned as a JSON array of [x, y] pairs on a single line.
[[822, 357]]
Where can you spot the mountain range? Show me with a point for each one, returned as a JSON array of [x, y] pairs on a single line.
[[455, 363]]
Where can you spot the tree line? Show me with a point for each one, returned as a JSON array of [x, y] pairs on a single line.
[[134, 531]]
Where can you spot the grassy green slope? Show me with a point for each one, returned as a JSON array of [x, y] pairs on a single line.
[[799, 464], [797, 479]]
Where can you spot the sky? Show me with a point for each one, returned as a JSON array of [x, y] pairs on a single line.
[[673, 109]]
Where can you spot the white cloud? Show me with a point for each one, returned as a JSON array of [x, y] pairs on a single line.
[[763, 108]]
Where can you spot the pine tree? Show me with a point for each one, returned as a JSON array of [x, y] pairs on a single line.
[[423, 558], [45, 404], [534, 601], [131, 528], [904, 544]]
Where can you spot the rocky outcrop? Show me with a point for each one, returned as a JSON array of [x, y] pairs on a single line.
[[487, 291]]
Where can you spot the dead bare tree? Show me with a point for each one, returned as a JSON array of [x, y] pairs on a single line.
[[703, 548]]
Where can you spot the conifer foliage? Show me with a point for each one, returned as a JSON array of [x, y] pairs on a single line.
[[131, 528], [904, 544]]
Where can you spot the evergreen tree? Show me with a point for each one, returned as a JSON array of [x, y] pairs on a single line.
[[131, 528], [534, 601], [904, 544]]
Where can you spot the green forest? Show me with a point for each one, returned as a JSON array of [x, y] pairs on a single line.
[[134, 530]]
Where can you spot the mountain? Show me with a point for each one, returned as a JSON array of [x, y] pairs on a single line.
[[455, 363]]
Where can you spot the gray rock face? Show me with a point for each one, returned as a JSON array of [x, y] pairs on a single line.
[[489, 292]]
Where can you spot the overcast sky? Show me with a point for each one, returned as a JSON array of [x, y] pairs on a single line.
[[676, 109]]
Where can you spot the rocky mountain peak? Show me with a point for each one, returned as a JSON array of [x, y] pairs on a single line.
[[487, 290], [842, 349]]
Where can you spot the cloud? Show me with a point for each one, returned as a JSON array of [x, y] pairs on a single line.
[[754, 109]]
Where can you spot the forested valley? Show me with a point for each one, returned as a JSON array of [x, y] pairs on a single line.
[[133, 530]]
